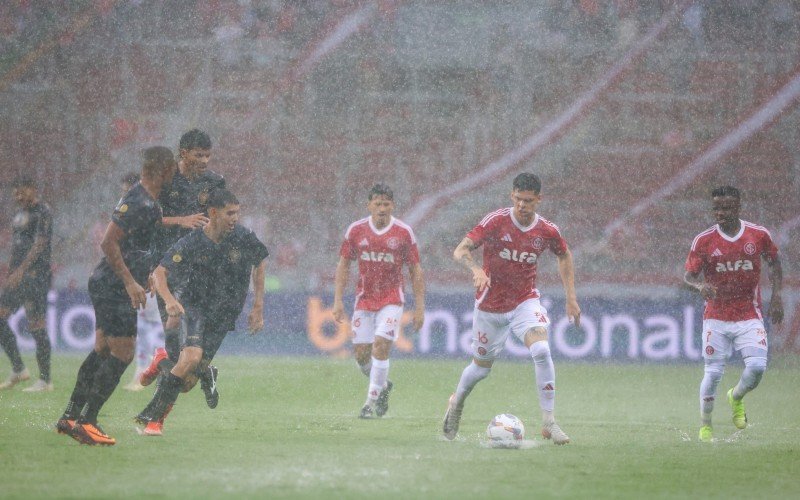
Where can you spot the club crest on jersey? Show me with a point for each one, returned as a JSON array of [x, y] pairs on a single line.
[[538, 243], [202, 198], [513, 255], [377, 257], [739, 265], [393, 243], [234, 255], [750, 248], [122, 208]]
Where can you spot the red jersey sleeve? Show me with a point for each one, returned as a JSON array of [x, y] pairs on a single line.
[[558, 245], [412, 254], [768, 249], [694, 261], [479, 234], [348, 249]]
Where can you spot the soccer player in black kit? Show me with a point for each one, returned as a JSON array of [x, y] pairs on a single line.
[[117, 289], [216, 264], [27, 284], [184, 202]]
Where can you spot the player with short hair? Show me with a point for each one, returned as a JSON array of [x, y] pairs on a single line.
[[382, 244], [217, 263], [507, 301], [185, 208], [117, 289], [27, 284], [729, 255]]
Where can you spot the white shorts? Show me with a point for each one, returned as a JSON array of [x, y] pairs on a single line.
[[720, 338], [383, 323], [490, 330]]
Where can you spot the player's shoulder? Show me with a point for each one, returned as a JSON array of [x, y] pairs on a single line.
[[498, 216], [404, 227], [356, 226], [214, 178], [752, 227], [703, 236], [547, 225]]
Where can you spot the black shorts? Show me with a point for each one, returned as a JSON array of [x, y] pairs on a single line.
[[205, 332], [31, 293], [113, 314]]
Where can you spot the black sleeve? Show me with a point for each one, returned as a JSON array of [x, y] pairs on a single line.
[[44, 228], [255, 250], [128, 214], [179, 255]]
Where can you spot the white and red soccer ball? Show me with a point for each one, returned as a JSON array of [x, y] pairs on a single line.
[[505, 431]]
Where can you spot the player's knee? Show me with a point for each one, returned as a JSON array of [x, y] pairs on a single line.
[[714, 368], [540, 351], [534, 335], [756, 364]]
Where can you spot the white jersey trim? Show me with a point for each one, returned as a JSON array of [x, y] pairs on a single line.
[[382, 231], [757, 228], [732, 238], [520, 226], [354, 224], [492, 215], [704, 233], [407, 228]]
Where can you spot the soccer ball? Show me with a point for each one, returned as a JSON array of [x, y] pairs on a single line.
[[505, 431]]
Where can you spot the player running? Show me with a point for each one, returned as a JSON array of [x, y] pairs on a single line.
[[117, 289], [382, 245], [507, 300], [217, 263], [728, 255]]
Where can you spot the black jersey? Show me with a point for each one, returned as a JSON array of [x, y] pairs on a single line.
[[184, 197], [29, 224], [216, 275], [139, 216]]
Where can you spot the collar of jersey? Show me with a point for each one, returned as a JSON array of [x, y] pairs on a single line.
[[732, 238], [520, 226], [382, 231]]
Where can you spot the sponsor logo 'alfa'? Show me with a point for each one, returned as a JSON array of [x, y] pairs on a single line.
[[739, 265], [377, 257], [513, 255]]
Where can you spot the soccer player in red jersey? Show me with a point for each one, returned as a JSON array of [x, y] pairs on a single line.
[[506, 299], [382, 245], [728, 255]]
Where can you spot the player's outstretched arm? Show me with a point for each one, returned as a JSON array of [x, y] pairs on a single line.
[[707, 290], [111, 249], [255, 320], [463, 255], [418, 285], [340, 282], [187, 221], [174, 308], [566, 270], [775, 311]]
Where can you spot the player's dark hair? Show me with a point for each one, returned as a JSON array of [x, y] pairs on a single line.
[[195, 139], [725, 191], [155, 160], [130, 178], [220, 197], [24, 182], [381, 190], [527, 181]]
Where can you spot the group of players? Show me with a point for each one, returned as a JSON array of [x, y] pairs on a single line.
[[176, 234]]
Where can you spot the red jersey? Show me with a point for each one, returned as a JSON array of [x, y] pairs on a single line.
[[381, 255], [510, 254], [733, 265]]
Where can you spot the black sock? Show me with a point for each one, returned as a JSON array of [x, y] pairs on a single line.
[[105, 381], [166, 395], [9, 343], [172, 343], [42, 353], [82, 385], [165, 366]]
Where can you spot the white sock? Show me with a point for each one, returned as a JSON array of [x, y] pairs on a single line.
[[377, 379], [545, 378], [470, 377], [754, 368], [366, 368], [708, 389]]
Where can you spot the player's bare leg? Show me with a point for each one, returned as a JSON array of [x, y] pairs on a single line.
[[536, 342]]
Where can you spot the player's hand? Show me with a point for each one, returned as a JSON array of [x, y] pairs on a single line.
[[137, 295], [338, 312], [481, 280], [151, 284], [708, 291], [574, 312], [194, 221], [775, 310], [255, 320], [174, 308], [419, 319]]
